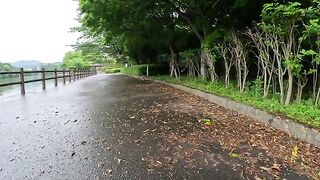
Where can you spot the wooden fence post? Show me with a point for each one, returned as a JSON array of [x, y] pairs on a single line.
[[69, 75], [64, 76], [22, 87], [43, 76], [55, 77], [74, 76]]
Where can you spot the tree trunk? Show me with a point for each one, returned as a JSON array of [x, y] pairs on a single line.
[[281, 89], [289, 91], [174, 69], [227, 74], [315, 81], [274, 85], [203, 66], [299, 89], [317, 98], [265, 84]]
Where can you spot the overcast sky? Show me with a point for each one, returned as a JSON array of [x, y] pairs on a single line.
[[36, 29]]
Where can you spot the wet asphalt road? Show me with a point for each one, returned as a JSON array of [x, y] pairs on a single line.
[[103, 127]]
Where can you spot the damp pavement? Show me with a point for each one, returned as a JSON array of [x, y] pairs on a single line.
[[109, 127]]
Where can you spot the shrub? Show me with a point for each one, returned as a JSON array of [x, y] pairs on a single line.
[[139, 70], [113, 70]]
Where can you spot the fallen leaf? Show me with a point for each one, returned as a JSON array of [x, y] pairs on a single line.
[[119, 161], [206, 122], [73, 154], [276, 167], [234, 155]]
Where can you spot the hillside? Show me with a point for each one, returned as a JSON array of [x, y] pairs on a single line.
[[27, 64], [34, 64]]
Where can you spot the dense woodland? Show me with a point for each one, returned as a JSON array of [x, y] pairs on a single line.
[[275, 44]]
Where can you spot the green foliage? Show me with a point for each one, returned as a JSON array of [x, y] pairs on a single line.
[[212, 39], [189, 54], [138, 32], [234, 155], [112, 70], [139, 70], [75, 60], [142, 30], [136, 70], [303, 112], [278, 18], [5, 67], [257, 87], [206, 122]]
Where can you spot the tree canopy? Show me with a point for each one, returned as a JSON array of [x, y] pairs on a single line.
[[5, 67], [144, 29], [275, 41], [75, 60]]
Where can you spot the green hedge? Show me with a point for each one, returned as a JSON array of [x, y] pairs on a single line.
[[139, 70], [111, 71]]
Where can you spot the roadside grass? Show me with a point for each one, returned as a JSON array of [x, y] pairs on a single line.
[[305, 112]]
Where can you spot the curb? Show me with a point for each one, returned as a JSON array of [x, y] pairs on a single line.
[[294, 129]]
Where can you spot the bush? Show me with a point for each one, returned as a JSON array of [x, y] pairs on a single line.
[[113, 70], [139, 70]]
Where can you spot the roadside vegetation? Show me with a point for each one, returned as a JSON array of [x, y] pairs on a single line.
[[264, 53], [303, 112], [112, 66]]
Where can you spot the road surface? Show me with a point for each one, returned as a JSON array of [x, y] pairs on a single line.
[[118, 127]]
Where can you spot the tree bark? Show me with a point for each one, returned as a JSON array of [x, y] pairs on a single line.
[[289, 91], [174, 69]]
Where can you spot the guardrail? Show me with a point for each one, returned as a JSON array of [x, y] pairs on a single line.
[[72, 75]]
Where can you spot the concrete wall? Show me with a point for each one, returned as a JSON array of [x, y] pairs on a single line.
[[294, 129]]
